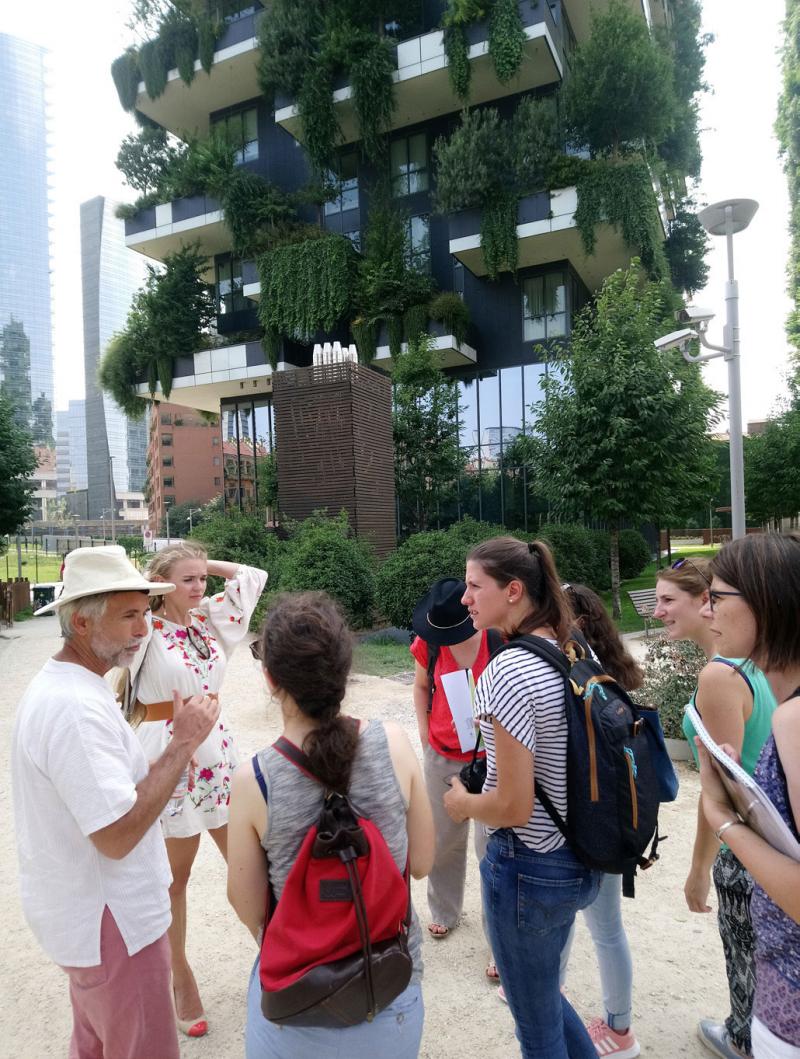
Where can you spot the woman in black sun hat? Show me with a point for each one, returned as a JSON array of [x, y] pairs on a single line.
[[446, 641]]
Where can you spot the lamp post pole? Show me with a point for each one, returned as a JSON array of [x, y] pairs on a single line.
[[192, 511], [113, 505], [726, 218], [731, 340]]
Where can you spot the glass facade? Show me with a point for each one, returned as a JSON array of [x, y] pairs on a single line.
[[111, 274], [71, 447], [25, 303], [249, 473], [497, 422]]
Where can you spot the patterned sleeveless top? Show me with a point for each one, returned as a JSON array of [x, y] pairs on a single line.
[[777, 999]]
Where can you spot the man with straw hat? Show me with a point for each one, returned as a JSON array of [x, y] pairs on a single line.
[[94, 874]]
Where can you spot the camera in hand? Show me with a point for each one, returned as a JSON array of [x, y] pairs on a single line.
[[473, 774]]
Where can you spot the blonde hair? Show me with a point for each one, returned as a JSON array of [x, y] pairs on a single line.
[[165, 559], [692, 576]]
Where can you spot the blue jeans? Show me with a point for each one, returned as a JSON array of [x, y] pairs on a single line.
[[530, 900], [393, 1034], [604, 920]]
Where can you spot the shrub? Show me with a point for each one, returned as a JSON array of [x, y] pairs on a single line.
[[237, 538], [448, 308], [322, 555], [407, 575], [581, 554], [634, 553], [671, 672]]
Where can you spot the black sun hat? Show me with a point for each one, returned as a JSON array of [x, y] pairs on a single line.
[[440, 617]]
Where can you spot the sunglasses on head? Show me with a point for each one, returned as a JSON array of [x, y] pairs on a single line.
[[255, 649], [680, 563]]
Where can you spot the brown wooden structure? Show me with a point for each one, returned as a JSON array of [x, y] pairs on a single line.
[[14, 596], [333, 426]]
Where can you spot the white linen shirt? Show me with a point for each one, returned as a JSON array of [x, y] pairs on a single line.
[[75, 764]]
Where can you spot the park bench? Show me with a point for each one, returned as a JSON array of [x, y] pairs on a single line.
[[644, 603]]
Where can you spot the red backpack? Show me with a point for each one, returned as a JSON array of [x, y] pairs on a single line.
[[335, 947]]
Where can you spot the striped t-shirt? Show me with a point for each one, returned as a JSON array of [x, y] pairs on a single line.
[[526, 697]]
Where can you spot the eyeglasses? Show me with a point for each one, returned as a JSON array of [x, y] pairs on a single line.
[[680, 563], [255, 649], [199, 643], [715, 594]]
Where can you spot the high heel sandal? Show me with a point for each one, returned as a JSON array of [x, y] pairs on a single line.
[[197, 1027]]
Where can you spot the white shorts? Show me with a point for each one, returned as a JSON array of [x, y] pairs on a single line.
[[767, 1046]]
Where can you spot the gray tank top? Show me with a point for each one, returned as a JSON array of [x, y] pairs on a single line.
[[295, 802]]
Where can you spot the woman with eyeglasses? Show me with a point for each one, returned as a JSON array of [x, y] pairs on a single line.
[[752, 610], [192, 638], [736, 702]]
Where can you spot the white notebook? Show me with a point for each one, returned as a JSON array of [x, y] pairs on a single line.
[[749, 800]]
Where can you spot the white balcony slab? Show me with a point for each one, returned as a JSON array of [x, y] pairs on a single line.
[[454, 355], [422, 83]]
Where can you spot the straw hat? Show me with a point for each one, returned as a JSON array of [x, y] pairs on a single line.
[[90, 571], [440, 617]]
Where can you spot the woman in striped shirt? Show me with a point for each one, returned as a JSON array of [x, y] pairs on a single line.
[[532, 883]]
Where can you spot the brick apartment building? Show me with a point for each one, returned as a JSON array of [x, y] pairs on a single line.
[[184, 460]]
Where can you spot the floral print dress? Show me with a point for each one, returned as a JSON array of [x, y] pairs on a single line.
[[192, 659]]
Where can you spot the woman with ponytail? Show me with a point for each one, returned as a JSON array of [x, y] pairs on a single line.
[[532, 883], [306, 652]]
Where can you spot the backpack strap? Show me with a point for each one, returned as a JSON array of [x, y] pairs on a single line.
[[433, 658], [540, 647], [260, 778], [295, 755], [298, 757]]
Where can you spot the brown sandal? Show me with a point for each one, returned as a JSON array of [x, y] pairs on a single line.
[[436, 930]]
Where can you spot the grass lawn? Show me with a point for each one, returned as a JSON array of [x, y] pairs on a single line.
[[36, 566], [382, 658], [630, 621]]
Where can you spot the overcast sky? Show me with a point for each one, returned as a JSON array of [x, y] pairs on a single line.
[[739, 151]]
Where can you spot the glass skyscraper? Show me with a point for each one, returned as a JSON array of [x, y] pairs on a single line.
[[26, 349], [111, 274]]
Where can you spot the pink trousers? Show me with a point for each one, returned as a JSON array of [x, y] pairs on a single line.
[[122, 1008]]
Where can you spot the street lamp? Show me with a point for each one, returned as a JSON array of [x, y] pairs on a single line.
[[113, 503], [722, 218], [192, 511], [103, 513]]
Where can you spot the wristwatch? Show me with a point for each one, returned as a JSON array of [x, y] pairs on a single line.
[[721, 831]]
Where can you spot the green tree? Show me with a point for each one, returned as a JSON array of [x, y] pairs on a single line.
[[625, 424], [621, 93], [179, 517], [772, 470], [787, 128], [17, 463], [148, 159], [428, 459], [169, 318]]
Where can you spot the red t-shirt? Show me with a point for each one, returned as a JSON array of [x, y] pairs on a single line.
[[441, 732]]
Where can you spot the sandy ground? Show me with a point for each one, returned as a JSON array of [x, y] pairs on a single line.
[[679, 970]]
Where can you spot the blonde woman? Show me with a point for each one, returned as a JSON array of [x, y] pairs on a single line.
[[193, 635]]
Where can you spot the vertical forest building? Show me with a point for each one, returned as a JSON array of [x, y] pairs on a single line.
[[364, 173]]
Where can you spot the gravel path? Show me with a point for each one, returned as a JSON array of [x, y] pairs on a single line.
[[679, 973]]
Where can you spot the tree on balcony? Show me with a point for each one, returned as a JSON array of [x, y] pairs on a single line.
[[625, 425], [169, 318]]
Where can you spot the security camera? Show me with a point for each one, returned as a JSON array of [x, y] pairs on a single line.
[[676, 339], [695, 315]]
